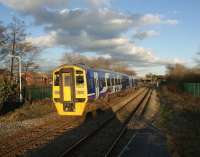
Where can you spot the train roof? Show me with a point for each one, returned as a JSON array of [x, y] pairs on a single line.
[[93, 69], [100, 70]]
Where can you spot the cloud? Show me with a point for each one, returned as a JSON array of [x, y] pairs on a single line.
[[146, 34], [98, 3], [45, 41], [29, 5], [152, 19], [99, 30], [171, 22]]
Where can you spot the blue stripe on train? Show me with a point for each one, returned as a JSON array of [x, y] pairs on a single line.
[[90, 97]]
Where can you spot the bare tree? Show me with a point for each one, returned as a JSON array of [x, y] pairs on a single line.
[[17, 45], [96, 62], [2, 42], [122, 68], [2, 35], [180, 73], [30, 55], [16, 36], [176, 71]]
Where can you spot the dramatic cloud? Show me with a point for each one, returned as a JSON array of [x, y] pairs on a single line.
[[44, 41], [145, 34], [101, 31], [30, 5]]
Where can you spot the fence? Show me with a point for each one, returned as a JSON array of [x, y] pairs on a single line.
[[38, 93], [192, 88]]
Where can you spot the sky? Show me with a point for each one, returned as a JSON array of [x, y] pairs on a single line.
[[146, 35]]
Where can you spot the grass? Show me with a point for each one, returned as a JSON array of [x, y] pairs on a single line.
[[180, 118], [29, 111]]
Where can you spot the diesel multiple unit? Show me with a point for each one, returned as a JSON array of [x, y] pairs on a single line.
[[75, 85]]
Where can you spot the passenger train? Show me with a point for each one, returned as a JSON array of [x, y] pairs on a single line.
[[75, 85]]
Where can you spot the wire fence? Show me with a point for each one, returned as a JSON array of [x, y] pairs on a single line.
[[192, 88], [38, 93]]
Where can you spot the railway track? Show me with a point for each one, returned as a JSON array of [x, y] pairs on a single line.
[[83, 141], [140, 111], [53, 128]]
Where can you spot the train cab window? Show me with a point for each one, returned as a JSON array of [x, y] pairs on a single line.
[[79, 79], [56, 80], [67, 81], [79, 72]]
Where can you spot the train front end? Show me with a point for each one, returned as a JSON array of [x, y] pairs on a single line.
[[70, 90]]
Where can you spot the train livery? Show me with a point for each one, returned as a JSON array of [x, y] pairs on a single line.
[[75, 85]]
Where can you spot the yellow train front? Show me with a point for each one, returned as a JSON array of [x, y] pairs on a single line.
[[70, 90]]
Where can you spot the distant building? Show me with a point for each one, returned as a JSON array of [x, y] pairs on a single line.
[[4, 73], [37, 79]]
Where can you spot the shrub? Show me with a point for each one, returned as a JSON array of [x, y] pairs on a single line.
[[8, 92]]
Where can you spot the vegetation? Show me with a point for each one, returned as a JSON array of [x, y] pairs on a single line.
[[29, 111], [13, 42], [178, 74], [180, 118], [8, 92], [180, 112]]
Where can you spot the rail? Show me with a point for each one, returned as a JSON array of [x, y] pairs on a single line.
[[124, 127], [76, 144]]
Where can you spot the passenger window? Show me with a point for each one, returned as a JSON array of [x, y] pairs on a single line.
[[79, 79], [113, 81], [108, 81], [56, 80]]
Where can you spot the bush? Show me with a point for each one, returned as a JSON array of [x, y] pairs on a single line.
[[8, 92], [179, 117]]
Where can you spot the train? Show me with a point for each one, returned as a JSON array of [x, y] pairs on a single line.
[[75, 85]]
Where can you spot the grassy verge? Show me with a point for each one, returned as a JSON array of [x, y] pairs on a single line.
[[180, 119], [29, 111]]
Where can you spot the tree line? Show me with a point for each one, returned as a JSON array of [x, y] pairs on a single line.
[[180, 73], [13, 43], [97, 62]]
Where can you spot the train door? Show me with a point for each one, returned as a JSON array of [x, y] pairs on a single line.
[[67, 87], [96, 82]]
